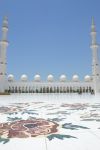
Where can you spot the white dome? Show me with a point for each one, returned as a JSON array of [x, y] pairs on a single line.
[[37, 78], [63, 78], [75, 78], [50, 78], [24, 77], [10, 77], [87, 78]]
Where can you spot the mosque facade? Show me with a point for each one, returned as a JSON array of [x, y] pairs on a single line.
[[8, 84]]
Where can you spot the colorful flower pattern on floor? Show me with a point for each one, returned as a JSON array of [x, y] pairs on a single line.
[[34, 119]]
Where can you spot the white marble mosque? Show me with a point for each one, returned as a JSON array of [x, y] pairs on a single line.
[[8, 84]]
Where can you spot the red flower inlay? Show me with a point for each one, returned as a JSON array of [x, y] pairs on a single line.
[[27, 128]]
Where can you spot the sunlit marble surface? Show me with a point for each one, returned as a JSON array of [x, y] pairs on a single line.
[[54, 121]]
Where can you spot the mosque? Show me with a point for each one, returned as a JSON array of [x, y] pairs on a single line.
[[8, 84]]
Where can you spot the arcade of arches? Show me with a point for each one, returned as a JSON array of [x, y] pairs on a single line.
[[46, 89]]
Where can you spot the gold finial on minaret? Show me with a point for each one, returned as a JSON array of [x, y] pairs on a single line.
[[93, 29], [93, 21]]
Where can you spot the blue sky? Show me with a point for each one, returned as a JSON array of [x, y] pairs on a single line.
[[50, 36]]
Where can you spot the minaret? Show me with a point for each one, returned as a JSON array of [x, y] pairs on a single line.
[[3, 52], [95, 61]]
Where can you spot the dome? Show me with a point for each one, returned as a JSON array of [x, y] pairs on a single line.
[[63, 78], [87, 78], [24, 77], [50, 78], [10, 77], [37, 78], [75, 78]]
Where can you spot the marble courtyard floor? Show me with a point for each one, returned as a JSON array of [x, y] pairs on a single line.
[[48, 122]]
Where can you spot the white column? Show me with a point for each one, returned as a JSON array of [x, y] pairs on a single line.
[[95, 62], [3, 51]]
